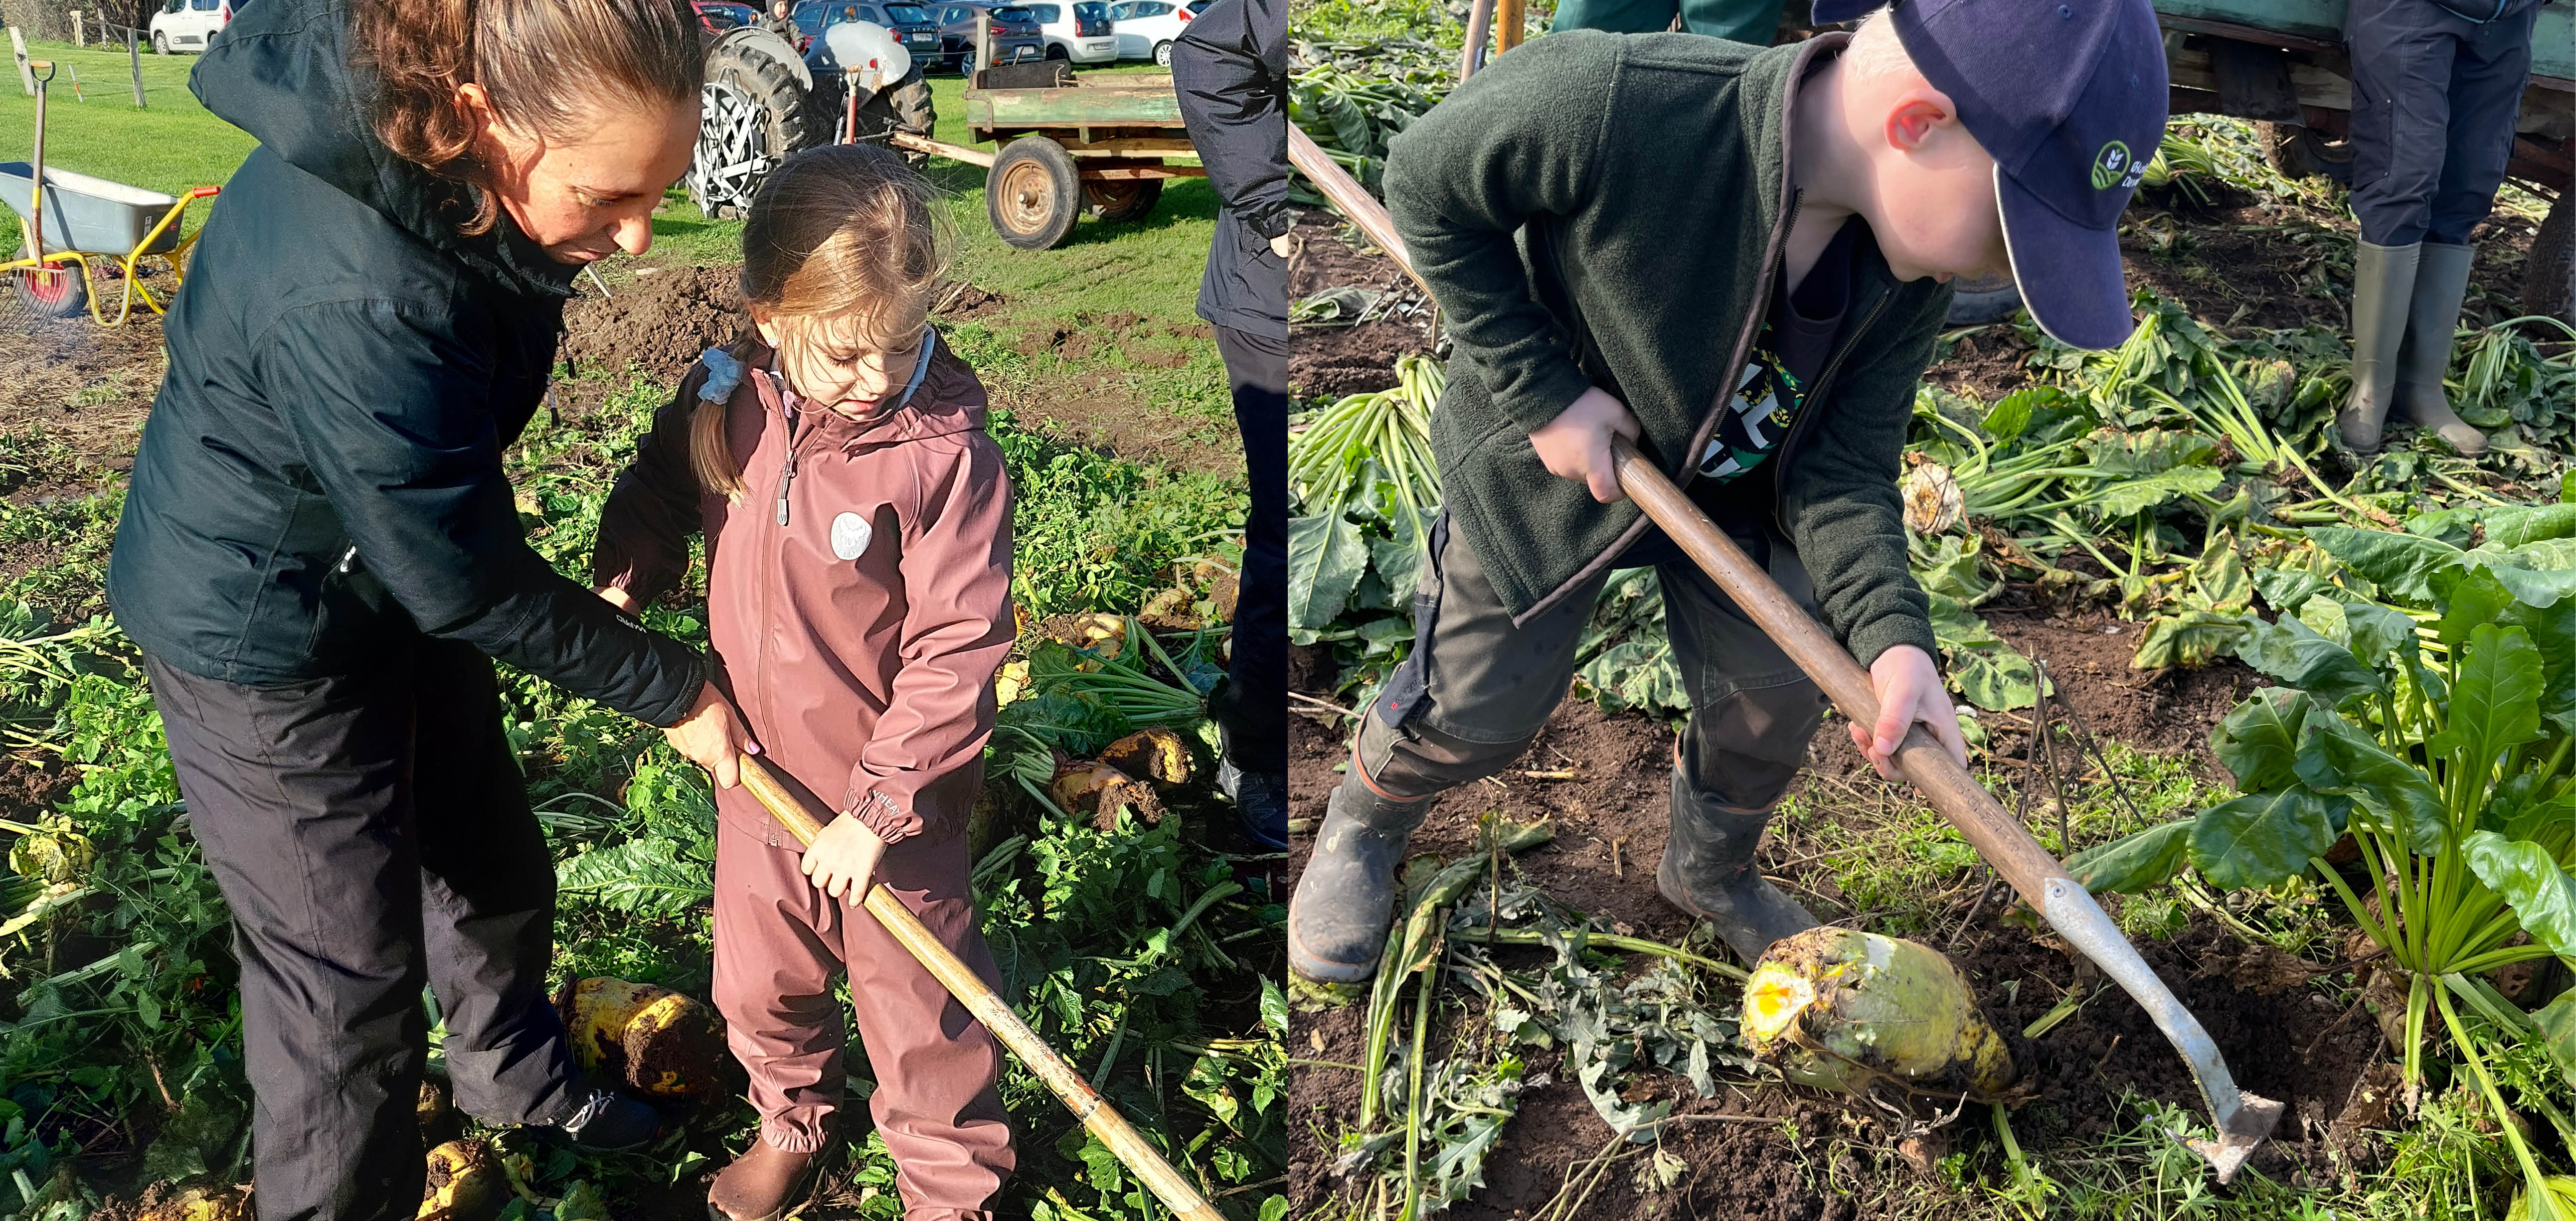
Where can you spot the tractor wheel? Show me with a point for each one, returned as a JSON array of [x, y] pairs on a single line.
[[1032, 193], [753, 116], [2549, 277], [1122, 198], [2303, 152], [54, 292], [904, 106]]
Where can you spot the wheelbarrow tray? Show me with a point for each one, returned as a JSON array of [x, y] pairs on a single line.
[[89, 215]]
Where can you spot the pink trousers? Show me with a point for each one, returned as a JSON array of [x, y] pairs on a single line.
[[779, 942]]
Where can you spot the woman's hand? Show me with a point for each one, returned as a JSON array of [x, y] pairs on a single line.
[[713, 737], [616, 597], [1576, 444], [1909, 690], [843, 859]]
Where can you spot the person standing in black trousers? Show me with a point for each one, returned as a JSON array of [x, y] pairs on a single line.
[[1230, 69], [2436, 87]]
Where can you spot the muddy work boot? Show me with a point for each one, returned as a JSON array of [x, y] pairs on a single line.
[[1338, 915], [2432, 319], [1709, 871], [2383, 286], [762, 1184]]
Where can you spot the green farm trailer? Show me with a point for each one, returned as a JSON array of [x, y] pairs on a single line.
[[2282, 63], [1067, 144]]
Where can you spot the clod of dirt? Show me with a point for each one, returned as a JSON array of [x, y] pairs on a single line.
[[658, 324], [959, 299], [660, 1042]]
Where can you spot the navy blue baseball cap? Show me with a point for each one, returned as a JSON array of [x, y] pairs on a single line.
[[2070, 97]]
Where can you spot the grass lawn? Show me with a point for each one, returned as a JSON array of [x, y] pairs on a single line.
[[170, 145]]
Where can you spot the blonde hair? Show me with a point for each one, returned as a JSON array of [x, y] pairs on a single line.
[[1875, 51], [845, 235]]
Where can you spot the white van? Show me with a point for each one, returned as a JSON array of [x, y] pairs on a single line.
[[185, 25]]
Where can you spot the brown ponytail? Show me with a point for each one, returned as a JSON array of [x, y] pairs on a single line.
[[549, 67], [845, 235]]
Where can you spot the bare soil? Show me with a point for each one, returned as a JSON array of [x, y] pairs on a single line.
[[1332, 361]]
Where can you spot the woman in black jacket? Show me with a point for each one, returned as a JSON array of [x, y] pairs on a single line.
[[320, 552]]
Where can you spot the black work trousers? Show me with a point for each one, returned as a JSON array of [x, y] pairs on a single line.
[[2434, 100], [1256, 707], [371, 832]]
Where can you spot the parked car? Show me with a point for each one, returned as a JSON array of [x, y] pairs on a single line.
[[1146, 28], [1079, 31], [185, 25], [1016, 35], [911, 24], [717, 16]]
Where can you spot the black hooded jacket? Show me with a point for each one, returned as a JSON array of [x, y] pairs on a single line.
[[322, 471], [1230, 70]]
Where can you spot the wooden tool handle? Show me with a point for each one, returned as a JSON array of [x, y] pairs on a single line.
[[1337, 185], [1989, 828], [1087, 1105]]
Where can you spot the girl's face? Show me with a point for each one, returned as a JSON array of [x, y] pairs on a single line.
[[827, 362]]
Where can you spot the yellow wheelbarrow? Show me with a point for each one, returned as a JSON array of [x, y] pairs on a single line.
[[76, 232]]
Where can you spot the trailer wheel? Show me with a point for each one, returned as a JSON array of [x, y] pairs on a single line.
[[2298, 151], [1033, 193], [2549, 278], [55, 292], [1122, 198]]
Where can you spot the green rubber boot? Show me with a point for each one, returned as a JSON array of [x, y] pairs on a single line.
[[2383, 284], [1339, 913], [1709, 871], [2432, 320]]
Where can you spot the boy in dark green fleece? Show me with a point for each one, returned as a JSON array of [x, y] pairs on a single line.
[[1738, 258]]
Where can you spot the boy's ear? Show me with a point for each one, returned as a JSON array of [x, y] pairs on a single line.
[[1917, 113]]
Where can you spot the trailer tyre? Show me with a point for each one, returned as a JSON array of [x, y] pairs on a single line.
[[2299, 152], [1123, 198], [57, 292], [2549, 278], [1033, 193]]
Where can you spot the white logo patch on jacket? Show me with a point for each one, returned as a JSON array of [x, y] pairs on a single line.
[[850, 536]]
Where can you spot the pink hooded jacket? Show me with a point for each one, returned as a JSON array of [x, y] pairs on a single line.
[[859, 590]]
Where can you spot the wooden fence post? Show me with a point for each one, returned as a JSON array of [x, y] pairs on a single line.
[[134, 60], [18, 52], [80, 31]]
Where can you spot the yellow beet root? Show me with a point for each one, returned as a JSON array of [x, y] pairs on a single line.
[[465, 1183], [201, 1204], [1836, 1008], [658, 1041]]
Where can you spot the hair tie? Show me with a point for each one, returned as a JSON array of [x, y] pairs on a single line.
[[723, 374]]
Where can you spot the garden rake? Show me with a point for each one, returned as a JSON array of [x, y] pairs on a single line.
[[2243, 1120], [1087, 1105]]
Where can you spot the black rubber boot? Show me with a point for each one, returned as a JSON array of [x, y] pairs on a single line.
[[602, 1122], [1709, 871], [1338, 915]]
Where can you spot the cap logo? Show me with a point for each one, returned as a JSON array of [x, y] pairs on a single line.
[[2113, 166]]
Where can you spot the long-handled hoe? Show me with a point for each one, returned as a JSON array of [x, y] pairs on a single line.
[[1087, 1105], [2243, 1120]]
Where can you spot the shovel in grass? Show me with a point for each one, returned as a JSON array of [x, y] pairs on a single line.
[[1087, 1105], [2243, 1120]]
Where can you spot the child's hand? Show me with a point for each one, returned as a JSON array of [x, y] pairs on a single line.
[[1576, 444], [1909, 690], [842, 860]]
